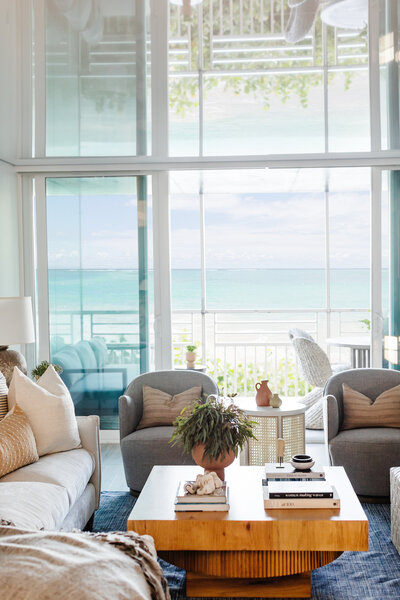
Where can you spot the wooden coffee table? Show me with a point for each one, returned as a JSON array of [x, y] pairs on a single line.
[[248, 551]]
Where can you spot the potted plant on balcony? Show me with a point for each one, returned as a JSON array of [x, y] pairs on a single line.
[[38, 371], [213, 431], [191, 355]]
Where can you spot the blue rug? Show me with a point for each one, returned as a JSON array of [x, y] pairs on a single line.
[[373, 575]]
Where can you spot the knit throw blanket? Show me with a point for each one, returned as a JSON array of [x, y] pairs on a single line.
[[46, 565]]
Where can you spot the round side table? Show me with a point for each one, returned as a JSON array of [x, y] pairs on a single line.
[[287, 422]]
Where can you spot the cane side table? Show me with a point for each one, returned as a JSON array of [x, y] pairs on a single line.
[[287, 422]]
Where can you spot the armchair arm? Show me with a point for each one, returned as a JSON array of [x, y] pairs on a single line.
[[130, 413], [89, 433], [331, 417]]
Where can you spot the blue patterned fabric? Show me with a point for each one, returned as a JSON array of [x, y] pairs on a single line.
[[373, 575]]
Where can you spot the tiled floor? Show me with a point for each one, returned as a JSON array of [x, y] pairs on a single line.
[[113, 476]]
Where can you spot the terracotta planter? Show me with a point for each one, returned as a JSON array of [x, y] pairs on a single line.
[[212, 464]]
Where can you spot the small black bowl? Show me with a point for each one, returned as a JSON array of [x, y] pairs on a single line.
[[301, 458]]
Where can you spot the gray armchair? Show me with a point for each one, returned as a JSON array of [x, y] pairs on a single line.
[[142, 449], [367, 453]]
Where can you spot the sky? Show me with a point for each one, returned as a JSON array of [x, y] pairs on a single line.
[[253, 219]]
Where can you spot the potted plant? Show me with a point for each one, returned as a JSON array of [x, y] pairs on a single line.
[[42, 367], [191, 355], [213, 431]]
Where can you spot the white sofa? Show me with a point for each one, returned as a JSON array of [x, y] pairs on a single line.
[[60, 490]]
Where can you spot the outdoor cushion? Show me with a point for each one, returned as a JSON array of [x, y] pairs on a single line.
[[86, 354], [33, 505], [71, 470], [69, 359], [100, 351]]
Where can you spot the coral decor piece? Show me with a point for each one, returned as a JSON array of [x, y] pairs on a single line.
[[204, 484]]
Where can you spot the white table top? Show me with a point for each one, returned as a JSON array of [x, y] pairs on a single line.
[[361, 342], [288, 407]]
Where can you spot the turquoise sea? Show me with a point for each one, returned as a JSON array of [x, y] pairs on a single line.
[[226, 289]]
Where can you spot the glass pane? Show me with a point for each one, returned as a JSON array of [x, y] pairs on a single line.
[[94, 298], [389, 29], [97, 89], [258, 72]]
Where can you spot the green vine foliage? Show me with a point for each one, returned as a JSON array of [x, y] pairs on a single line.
[[184, 91], [220, 426]]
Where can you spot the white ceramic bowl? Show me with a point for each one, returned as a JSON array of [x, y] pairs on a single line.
[[306, 462]]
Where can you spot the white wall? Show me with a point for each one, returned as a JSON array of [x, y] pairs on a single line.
[[9, 252], [8, 79]]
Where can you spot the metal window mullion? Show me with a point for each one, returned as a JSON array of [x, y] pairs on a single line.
[[27, 255], [163, 358], [40, 78], [376, 187], [43, 347]]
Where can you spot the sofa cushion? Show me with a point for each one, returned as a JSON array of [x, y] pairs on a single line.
[[69, 359], [17, 442], [367, 455], [143, 449], [71, 470], [100, 351], [160, 408], [86, 354], [49, 408], [33, 505]]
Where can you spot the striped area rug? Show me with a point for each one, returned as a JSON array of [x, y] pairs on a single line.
[[372, 575]]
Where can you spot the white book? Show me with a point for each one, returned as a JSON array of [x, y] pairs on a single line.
[[185, 507], [314, 488], [218, 496], [287, 471], [300, 503]]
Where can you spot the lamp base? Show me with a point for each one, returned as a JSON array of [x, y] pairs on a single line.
[[10, 359]]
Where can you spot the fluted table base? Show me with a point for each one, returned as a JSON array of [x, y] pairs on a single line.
[[247, 574]]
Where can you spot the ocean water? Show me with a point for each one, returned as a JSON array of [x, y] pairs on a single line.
[[249, 289]]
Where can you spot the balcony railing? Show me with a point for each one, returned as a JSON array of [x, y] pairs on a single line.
[[239, 347]]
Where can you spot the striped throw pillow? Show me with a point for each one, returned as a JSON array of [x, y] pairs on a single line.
[[361, 411], [17, 442], [160, 408], [3, 396]]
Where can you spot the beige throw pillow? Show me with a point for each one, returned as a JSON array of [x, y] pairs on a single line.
[[160, 408], [361, 411], [3, 396], [17, 442], [49, 408]]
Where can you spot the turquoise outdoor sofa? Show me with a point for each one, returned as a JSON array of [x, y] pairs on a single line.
[[94, 383]]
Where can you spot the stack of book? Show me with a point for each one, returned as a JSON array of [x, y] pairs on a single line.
[[291, 488], [217, 501]]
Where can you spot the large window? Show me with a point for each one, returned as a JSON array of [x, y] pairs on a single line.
[[277, 253], [99, 289]]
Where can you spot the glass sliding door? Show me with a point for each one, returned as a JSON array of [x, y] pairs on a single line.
[[99, 289]]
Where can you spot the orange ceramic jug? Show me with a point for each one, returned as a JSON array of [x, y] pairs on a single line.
[[264, 394]]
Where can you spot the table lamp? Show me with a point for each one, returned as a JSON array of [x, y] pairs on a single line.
[[16, 327]]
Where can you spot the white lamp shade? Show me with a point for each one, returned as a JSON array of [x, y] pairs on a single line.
[[16, 321]]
